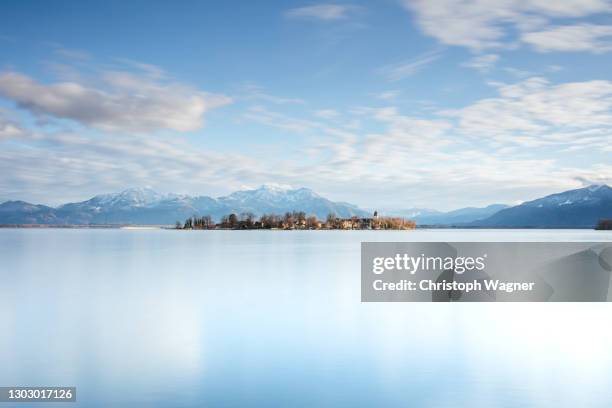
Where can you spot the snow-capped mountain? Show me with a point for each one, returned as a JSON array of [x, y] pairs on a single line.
[[131, 198], [580, 208], [275, 199], [135, 197], [145, 206]]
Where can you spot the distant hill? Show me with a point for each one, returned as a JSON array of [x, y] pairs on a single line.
[[145, 206], [20, 212], [411, 213], [452, 218], [580, 208]]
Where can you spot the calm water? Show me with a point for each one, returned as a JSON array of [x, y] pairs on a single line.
[[224, 318]]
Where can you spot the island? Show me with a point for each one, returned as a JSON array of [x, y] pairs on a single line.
[[604, 225], [296, 220]]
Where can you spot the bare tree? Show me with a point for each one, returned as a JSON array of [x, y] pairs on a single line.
[[331, 220], [312, 222], [288, 220], [232, 220], [248, 219]]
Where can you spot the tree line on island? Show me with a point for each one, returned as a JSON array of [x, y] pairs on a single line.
[[296, 220], [604, 225]]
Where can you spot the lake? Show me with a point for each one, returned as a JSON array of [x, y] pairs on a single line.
[[162, 318]]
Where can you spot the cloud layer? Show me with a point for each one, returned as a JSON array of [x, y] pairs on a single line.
[[323, 12], [440, 139], [488, 151]]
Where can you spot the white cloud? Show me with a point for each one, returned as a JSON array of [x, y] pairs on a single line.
[[121, 101], [480, 24], [583, 37], [483, 63], [401, 70], [324, 12], [472, 24]]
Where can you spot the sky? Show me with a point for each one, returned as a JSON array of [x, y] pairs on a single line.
[[385, 104]]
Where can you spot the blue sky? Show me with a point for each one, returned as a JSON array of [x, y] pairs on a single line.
[[388, 104]]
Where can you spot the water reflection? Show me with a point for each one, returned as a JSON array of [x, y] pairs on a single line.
[[186, 319]]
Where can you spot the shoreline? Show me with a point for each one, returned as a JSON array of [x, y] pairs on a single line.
[[173, 228]]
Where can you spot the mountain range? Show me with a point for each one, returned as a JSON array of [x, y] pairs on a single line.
[[145, 206], [580, 208]]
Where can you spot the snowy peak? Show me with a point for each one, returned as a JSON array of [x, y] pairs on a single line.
[[133, 197], [587, 195], [138, 197], [271, 194], [274, 187]]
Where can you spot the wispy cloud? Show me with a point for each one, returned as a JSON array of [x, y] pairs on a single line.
[[401, 70], [252, 91], [278, 120], [388, 95], [327, 113], [149, 70], [483, 63], [322, 12], [72, 54]]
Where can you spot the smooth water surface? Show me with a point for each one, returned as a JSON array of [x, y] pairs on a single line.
[[156, 318]]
